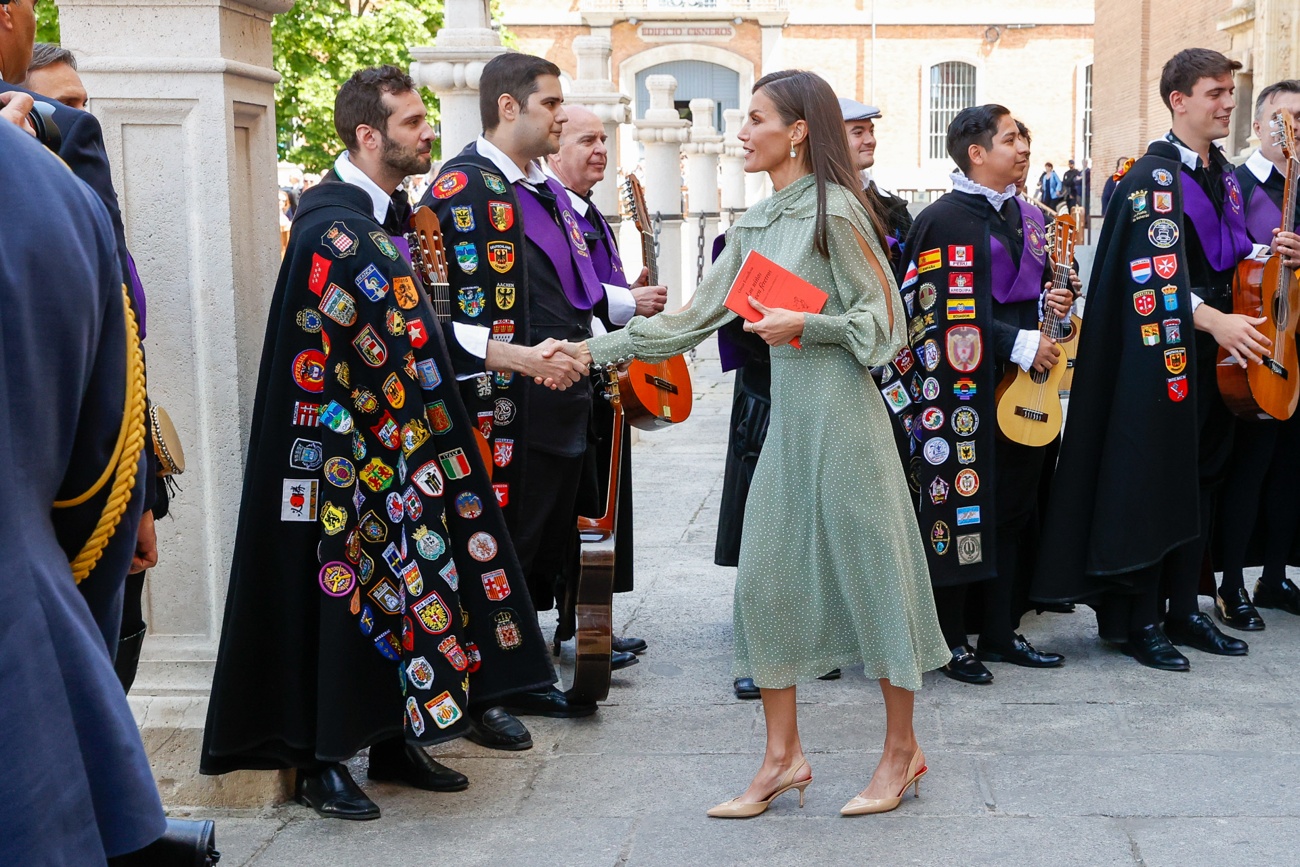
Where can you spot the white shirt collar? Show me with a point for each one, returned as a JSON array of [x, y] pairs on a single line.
[[1189, 157], [348, 173], [577, 203], [1259, 166], [507, 167], [963, 184]]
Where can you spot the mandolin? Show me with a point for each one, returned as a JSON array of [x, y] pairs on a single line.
[[594, 603], [430, 262], [1029, 402], [655, 394], [1268, 289]]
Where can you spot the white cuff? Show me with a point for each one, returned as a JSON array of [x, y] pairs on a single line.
[[1197, 301], [622, 304], [1026, 349], [474, 340], [1260, 253], [597, 327]]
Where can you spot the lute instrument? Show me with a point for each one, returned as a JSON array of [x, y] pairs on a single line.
[[594, 602], [654, 394], [1029, 402], [1268, 289], [429, 259]]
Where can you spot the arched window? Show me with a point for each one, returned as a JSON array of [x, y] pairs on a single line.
[[952, 88]]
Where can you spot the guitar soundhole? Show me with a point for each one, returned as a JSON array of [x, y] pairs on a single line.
[[1280, 311], [1038, 376], [661, 384]]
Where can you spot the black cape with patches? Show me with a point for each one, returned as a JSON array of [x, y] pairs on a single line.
[[373, 582], [1126, 484]]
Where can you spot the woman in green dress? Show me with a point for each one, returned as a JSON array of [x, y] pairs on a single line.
[[832, 572]]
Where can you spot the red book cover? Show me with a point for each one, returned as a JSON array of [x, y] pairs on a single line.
[[772, 286]]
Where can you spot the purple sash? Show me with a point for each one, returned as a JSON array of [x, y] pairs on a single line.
[[1012, 284], [403, 246], [566, 249], [1224, 240], [137, 290], [605, 260], [1262, 216]]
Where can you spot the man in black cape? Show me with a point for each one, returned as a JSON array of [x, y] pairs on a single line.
[[1149, 436], [374, 590]]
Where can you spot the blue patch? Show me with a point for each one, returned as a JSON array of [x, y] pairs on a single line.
[[372, 284], [967, 515]]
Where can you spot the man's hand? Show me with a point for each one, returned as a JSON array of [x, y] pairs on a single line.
[[642, 280], [1076, 285], [1234, 332], [1059, 300], [1287, 244], [16, 107], [778, 326], [146, 545], [650, 299], [577, 351], [1049, 354], [550, 366]]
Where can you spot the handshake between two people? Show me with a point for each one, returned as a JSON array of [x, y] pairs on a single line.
[[556, 364]]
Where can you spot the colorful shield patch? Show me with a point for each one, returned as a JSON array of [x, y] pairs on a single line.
[[438, 416], [506, 626], [503, 451], [505, 295], [394, 391], [414, 434], [339, 240], [454, 463], [466, 256], [462, 218], [494, 183], [370, 347], [428, 478], [1166, 265], [449, 184], [376, 475], [501, 215], [404, 293], [1176, 360], [1144, 302], [1177, 388], [1170, 295], [471, 300], [309, 370], [443, 710], [335, 417], [501, 256], [319, 275], [965, 348], [1140, 269], [385, 245], [416, 333]]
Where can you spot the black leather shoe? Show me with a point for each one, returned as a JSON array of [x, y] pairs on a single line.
[[629, 645], [620, 659], [965, 667], [395, 759], [1285, 596], [1021, 652], [1237, 612], [185, 843], [498, 730], [1198, 631], [333, 793], [745, 688], [833, 674], [1151, 647], [546, 702]]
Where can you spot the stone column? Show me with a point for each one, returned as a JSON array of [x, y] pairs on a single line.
[[451, 68], [185, 94], [733, 164], [662, 132], [594, 90], [702, 183]]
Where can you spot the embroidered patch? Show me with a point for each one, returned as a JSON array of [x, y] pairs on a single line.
[[501, 256], [309, 370], [462, 218], [501, 215], [385, 245], [298, 499], [339, 240], [449, 184]]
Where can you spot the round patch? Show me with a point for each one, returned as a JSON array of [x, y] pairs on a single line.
[[936, 451], [1162, 177], [309, 320], [468, 505], [340, 473], [337, 578], [449, 185], [1034, 235], [482, 547], [309, 370], [430, 546], [930, 389], [396, 510], [932, 418], [1163, 233], [965, 421], [927, 294], [503, 412], [967, 482], [930, 354]]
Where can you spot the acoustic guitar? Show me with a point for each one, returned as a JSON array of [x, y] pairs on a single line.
[[1029, 402], [430, 263], [1268, 289], [658, 394], [1070, 349], [594, 602]]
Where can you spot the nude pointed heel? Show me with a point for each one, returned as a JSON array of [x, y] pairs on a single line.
[[737, 809], [860, 806]]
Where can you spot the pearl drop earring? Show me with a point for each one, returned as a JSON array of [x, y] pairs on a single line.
[[793, 155]]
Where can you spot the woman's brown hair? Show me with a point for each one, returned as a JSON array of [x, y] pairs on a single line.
[[806, 96]]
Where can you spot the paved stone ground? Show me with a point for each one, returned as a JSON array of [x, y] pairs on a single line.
[[1100, 763]]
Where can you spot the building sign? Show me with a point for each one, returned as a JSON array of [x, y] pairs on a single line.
[[702, 32]]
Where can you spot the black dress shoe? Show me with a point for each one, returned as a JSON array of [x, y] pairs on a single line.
[[1237, 612], [1021, 652], [620, 659], [1285, 596], [1199, 631], [833, 674], [546, 702], [332, 793], [395, 759], [745, 688], [629, 645], [185, 843], [965, 667], [1151, 647], [498, 730]]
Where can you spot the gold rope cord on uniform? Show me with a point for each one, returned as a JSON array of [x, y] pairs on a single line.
[[126, 455]]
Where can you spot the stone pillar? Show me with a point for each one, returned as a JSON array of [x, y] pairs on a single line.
[[185, 94], [662, 132], [451, 68], [733, 164], [594, 90], [702, 183]]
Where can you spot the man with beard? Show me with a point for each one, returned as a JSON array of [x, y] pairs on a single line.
[[373, 587], [860, 126]]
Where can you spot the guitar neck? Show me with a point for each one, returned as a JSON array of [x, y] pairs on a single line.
[[648, 253], [1289, 196], [1051, 324], [440, 296]]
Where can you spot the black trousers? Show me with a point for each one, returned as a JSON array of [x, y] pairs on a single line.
[[541, 526]]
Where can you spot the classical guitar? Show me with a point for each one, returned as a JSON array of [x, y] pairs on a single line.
[[1029, 402], [430, 262], [1070, 349], [655, 394], [594, 602], [1268, 289]]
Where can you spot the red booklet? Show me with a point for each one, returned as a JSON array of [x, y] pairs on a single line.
[[772, 286]]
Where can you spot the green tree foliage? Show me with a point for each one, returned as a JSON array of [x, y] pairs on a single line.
[[47, 22]]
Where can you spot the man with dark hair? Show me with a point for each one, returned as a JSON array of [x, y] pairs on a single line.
[[973, 285], [1072, 185], [52, 72], [860, 126], [373, 586], [1132, 509], [1258, 490]]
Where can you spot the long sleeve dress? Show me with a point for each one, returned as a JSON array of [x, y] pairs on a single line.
[[832, 571]]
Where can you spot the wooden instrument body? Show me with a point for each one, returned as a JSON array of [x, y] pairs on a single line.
[[1070, 346], [1272, 389]]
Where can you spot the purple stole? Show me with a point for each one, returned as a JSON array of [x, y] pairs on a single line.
[[605, 260], [1024, 283], [1223, 239], [1262, 216], [564, 247], [403, 246]]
